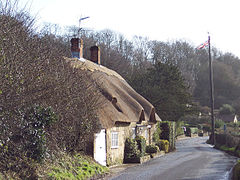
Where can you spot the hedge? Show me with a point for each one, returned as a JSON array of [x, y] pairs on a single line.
[[169, 133]]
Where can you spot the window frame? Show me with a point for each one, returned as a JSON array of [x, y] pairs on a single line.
[[114, 140]]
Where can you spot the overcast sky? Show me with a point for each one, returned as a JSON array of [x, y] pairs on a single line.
[[163, 20]]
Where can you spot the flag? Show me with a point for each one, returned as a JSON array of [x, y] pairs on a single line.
[[203, 45]]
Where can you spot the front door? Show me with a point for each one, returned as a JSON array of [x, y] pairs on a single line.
[[100, 147]]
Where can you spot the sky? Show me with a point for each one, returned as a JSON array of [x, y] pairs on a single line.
[[162, 20]]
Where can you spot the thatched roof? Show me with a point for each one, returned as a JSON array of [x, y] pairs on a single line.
[[121, 103]]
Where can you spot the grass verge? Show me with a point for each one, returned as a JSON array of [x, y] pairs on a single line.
[[72, 167]]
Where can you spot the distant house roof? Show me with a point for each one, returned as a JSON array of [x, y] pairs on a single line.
[[228, 118], [121, 103]]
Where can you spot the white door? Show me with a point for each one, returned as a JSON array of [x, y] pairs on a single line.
[[100, 147]]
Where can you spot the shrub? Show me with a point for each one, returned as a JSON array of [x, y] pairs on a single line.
[[163, 145], [179, 128], [206, 128], [75, 167], [34, 121], [131, 150], [219, 123], [152, 149], [157, 133], [226, 109], [169, 133], [26, 141], [141, 142]]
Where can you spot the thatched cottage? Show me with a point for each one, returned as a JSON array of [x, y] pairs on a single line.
[[123, 113]]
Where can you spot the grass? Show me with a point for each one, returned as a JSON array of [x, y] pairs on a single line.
[[227, 149], [76, 167]]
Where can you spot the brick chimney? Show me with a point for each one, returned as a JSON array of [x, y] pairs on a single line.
[[95, 54], [77, 48]]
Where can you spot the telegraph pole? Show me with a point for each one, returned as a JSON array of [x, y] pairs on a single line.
[[211, 90]]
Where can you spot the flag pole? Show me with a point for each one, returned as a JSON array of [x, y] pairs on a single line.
[[211, 90]]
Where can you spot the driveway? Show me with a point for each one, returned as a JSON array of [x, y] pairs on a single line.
[[193, 159]]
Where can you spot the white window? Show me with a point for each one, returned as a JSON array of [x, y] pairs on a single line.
[[133, 133], [146, 133], [114, 140]]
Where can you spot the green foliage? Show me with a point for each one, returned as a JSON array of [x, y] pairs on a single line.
[[164, 87], [226, 109], [152, 149], [141, 142], [207, 128], [24, 142], [225, 86], [168, 132], [76, 167], [32, 130], [131, 150], [157, 133], [163, 145], [194, 120], [227, 149], [219, 123], [191, 130], [227, 143], [179, 128], [234, 125]]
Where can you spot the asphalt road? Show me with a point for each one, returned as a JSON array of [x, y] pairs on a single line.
[[193, 159]]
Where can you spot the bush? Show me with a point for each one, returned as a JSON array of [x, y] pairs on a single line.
[[141, 142], [34, 121], [206, 128], [25, 141], [131, 150], [157, 133], [226, 109], [169, 133], [219, 123], [163, 145], [152, 149], [75, 167], [179, 128]]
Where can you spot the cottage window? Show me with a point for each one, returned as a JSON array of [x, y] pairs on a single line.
[[133, 133], [114, 139], [146, 133]]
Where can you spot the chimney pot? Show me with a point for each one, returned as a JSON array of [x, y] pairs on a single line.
[[77, 47], [95, 54]]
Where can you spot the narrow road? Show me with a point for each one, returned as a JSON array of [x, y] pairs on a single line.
[[193, 159]]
